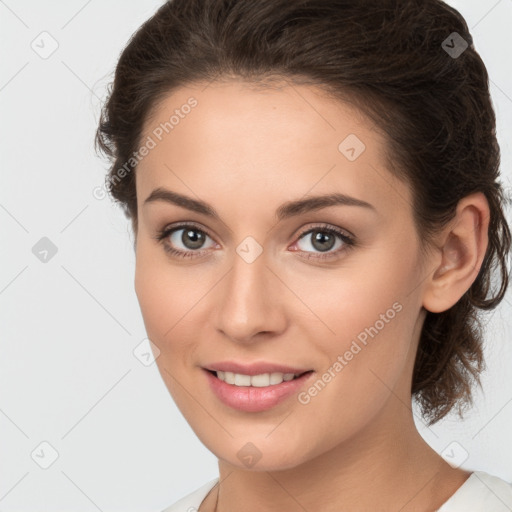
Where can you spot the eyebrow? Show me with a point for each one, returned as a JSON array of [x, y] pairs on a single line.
[[285, 211]]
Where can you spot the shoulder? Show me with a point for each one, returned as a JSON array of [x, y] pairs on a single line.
[[481, 492], [191, 502]]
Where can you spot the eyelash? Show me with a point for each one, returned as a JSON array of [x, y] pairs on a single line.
[[348, 241]]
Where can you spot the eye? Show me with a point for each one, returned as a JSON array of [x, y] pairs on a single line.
[[187, 235], [323, 238]]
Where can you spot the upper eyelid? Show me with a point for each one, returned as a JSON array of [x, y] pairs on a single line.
[[326, 226], [185, 225]]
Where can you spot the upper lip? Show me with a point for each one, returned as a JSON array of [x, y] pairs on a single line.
[[254, 368]]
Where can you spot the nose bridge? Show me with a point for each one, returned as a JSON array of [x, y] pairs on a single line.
[[247, 306]]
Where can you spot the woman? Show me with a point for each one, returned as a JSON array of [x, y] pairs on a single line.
[[313, 192]]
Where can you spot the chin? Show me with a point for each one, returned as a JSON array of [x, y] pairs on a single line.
[[259, 454]]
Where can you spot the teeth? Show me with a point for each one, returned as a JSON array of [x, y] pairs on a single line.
[[258, 381]]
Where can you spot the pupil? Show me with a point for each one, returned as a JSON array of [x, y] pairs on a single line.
[[320, 237], [192, 239]]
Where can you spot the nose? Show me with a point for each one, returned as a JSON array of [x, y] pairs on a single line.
[[251, 303]]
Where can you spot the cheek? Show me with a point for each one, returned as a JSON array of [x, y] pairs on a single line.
[[356, 299], [366, 321], [162, 293], [365, 363], [166, 298], [171, 299]]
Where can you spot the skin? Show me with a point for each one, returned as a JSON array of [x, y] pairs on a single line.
[[354, 446]]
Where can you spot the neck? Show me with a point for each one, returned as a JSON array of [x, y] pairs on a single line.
[[387, 466]]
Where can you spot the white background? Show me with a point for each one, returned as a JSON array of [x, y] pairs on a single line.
[[68, 375]]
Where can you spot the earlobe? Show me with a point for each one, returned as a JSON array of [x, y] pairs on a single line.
[[460, 255]]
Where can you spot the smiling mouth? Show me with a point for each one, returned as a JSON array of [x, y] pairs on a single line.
[[256, 393]]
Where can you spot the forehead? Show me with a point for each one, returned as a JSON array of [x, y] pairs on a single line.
[[277, 143]]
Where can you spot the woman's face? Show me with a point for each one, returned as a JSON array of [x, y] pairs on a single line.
[[251, 289]]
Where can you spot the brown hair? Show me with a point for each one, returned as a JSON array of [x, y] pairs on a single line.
[[395, 60]]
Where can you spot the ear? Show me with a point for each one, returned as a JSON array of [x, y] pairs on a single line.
[[461, 250]]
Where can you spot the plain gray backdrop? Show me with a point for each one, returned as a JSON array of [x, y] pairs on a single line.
[[86, 423]]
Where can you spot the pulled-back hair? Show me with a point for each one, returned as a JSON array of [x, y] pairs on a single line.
[[401, 64]]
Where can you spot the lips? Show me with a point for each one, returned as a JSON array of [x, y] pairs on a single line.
[[256, 399], [254, 368]]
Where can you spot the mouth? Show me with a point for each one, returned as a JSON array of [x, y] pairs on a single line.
[[255, 393]]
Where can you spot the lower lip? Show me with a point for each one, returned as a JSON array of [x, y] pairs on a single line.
[[254, 399]]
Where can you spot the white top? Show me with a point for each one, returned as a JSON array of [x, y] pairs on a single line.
[[481, 492]]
